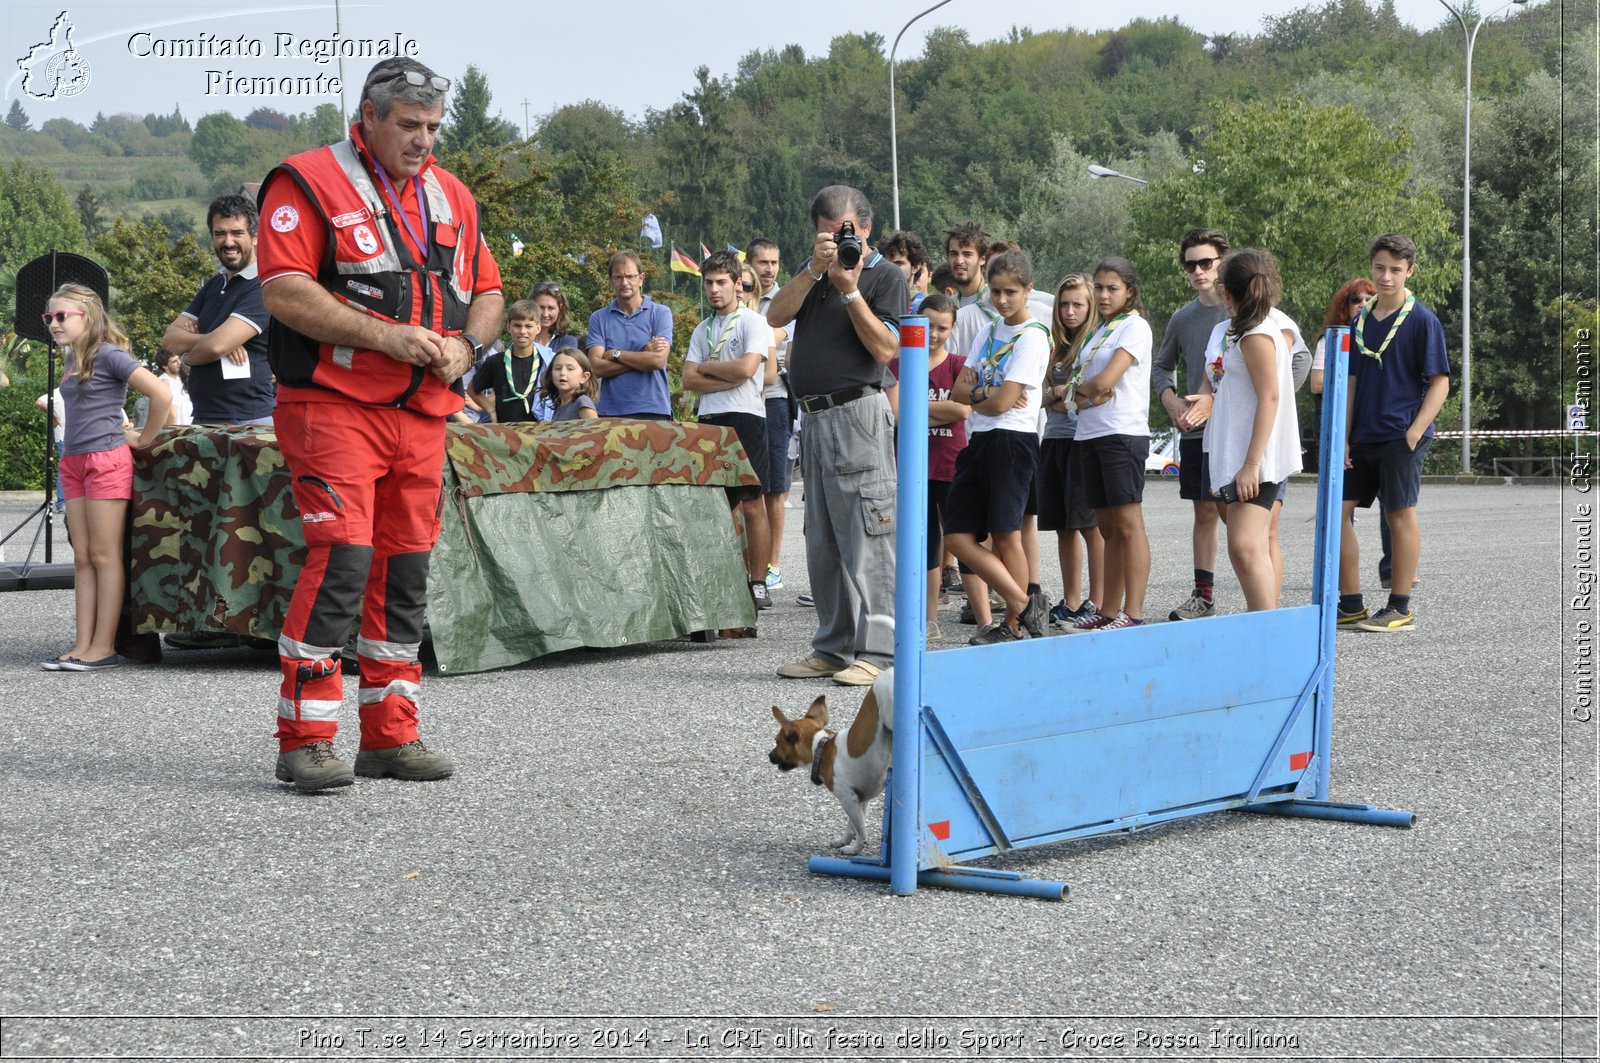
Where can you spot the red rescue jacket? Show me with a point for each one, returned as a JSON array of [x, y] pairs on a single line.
[[370, 267]]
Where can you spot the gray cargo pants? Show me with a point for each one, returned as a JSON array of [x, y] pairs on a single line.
[[847, 459]]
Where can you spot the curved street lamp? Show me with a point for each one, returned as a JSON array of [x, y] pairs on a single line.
[[1470, 36], [894, 142], [1097, 171]]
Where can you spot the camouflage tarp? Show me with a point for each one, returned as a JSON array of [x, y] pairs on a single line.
[[533, 556]]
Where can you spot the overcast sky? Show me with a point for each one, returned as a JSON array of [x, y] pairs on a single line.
[[543, 53]]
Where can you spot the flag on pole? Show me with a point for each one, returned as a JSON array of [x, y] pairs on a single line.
[[705, 252], [651, 230], [736, 251], [516, 246], [682, 263]]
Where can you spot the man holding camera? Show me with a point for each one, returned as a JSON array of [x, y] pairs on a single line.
[[846, 304]]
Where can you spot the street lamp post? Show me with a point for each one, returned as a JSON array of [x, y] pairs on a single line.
[[894, 142], [1097, 171], [1470, 36]]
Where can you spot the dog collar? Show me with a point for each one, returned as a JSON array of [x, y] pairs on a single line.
[[818, 744]]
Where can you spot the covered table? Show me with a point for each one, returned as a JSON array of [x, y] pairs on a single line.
[[587, 533]]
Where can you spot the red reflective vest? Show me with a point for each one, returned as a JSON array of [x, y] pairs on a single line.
[[369, 266]]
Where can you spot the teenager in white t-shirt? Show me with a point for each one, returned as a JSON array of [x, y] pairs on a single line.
[[994, 472], [1253, 438], [1113, 439]]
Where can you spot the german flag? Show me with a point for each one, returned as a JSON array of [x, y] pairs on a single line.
[[682, 263]]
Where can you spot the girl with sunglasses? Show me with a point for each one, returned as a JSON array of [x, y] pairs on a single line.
[[97, 464]]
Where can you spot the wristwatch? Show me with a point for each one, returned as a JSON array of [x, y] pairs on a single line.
[[616, 355], [475, 343], [850, 297]]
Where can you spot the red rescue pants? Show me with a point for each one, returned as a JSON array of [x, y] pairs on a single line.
[[369, 481]]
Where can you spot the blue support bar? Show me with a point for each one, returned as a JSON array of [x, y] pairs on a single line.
[[1380, 817], [1330, 527], [969, 879], [910, 605]]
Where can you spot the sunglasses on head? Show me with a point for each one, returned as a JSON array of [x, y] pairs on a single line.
[[547, 288], [1192, 264], [417, 79], [60, 316]]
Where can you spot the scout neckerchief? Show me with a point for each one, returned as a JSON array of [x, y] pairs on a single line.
[[1357, 333], [533, 378], [991, 370], [1104, 337], [722, 337]]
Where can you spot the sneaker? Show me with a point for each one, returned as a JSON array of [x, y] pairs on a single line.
[[1035, 615], [1352, 620], [1387, 619], [934, 634], [995, 632], [313, 767], [806, 600], [859, 674], [1122, 620], [997, 601], [763, 597], [409, 760], [774, 579], [1090, 619], [950, 579], [1193, 609], [812, 667], [1059, 613], [967, 616]]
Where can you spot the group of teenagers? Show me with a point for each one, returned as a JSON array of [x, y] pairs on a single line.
[[994, 366]]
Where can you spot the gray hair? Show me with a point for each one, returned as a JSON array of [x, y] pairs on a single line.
[[385, 86], [836, 201]]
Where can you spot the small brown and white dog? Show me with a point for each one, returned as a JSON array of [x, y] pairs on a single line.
[[853, 770]]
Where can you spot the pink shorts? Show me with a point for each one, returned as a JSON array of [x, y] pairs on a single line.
[[101, 474]]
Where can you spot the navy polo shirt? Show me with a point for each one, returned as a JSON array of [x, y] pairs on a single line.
[[218, 400], [1388, 396]]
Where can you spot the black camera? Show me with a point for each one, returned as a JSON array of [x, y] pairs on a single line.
[[849, 246]]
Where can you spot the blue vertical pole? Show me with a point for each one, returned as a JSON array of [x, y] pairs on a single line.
[[1330, 527], [910, 605]]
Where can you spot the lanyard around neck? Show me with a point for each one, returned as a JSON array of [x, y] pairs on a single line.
[[399, 208]]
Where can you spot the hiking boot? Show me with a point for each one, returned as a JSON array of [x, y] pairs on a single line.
[[1387, 620], [812, 667], [409, 760], [1035, 615], [996, 632], [1352, 620], [759, 592], [774, 579], [1193, 609], [313, 767]]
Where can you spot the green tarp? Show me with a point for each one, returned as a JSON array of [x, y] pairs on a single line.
[[590, 533]]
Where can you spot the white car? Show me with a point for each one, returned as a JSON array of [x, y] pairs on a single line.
[[1163, 459]]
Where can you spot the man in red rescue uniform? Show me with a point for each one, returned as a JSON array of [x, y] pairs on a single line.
[[379, 284]]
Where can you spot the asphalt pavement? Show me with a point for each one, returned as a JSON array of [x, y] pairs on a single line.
[[617, 871]]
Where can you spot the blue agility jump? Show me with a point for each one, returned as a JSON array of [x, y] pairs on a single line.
[[1109, 731]]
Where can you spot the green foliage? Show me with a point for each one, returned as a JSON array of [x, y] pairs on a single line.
[[17, 118], [89, 212], [35, 217], [167, 125], [1311, 184], [467, 125], [152, 278], [22, 428]]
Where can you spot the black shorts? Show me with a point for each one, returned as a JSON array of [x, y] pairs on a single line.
[[1112, 469], [752, 433], [775, 476], [1193, 483], [1389, 472], [994, 473], [938, 503], [1061, 504]]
